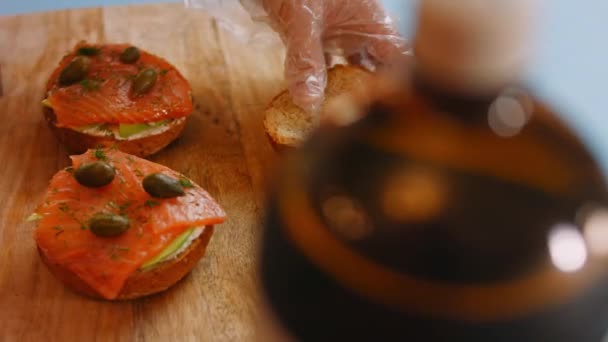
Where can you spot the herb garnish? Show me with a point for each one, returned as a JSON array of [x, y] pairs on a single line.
[[90, 85], [124, 206], [64, 207], [151, 203], [185, 182], [59, 230], [99, 154], [116, 249]]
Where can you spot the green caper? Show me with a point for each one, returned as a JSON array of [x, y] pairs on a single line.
[[129, 55], [108, 225], [95, 174], [144, 81], [162, 186], [88, 51], [75, 71]]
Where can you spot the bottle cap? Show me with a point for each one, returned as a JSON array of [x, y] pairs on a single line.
[[472, 46]]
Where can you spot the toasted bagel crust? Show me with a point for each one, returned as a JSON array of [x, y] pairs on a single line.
[[78, 142], [288, 126]]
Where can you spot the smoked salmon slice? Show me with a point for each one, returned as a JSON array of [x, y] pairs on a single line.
[[104, 96], [63, 235]]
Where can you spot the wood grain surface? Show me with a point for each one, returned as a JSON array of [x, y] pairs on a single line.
[[223, 148]]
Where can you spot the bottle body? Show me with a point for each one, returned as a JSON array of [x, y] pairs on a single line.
[[438, 218]]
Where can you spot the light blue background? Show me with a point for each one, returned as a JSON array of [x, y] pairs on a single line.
[[570, 69]]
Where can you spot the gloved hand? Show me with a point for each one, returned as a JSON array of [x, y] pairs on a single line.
[[312, 28]]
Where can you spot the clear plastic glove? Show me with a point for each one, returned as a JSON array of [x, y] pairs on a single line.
[[359, 30]]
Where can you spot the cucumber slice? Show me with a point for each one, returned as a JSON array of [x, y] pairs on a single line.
[[127, 130], [33, 217], [175, 245]]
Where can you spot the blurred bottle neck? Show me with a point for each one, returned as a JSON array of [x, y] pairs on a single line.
[[472, 48]]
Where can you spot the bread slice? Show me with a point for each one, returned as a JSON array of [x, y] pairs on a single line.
[[146, 143], [143, 282], [289, 126], [79, 142]]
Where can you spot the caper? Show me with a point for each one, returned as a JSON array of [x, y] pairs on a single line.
[[108, 225], [75, 71], [144, 81], [162, 186], [129, 55], [88, 51], [95, 174]]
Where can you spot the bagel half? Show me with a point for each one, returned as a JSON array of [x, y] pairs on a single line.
[[87, 112], [136, 234]]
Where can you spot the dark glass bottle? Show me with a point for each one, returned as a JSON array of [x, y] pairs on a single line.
[[449, 213]]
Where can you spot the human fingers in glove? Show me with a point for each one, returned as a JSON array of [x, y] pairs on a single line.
[[357, 29]]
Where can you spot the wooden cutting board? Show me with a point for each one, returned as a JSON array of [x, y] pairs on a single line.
[[223, 148]]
